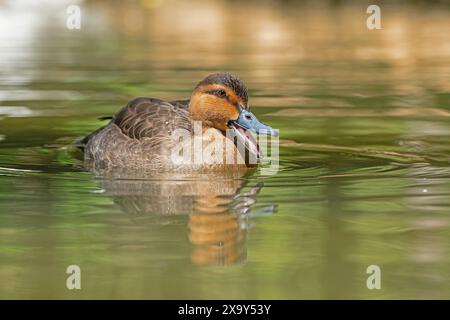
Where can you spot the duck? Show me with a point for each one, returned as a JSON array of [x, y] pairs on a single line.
[[212, 130]]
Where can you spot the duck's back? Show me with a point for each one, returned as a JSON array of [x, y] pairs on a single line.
[[139, 134]]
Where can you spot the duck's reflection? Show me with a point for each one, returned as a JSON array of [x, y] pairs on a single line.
[[218, 206]]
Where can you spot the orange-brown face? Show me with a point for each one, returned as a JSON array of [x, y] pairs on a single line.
[[215, 105]]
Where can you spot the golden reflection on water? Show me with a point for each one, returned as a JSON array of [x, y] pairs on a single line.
[[215, 204], [271, 36]]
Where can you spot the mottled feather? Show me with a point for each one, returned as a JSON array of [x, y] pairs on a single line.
[[136, 134], [149, 117]]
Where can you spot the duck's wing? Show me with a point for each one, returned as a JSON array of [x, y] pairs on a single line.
[[183, 104], [148, 117]]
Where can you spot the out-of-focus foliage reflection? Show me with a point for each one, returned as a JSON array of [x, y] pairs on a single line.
[[364, 118]]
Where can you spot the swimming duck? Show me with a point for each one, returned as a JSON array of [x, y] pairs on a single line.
[[205, 132]]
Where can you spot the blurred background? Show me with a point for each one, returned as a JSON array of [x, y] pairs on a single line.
[[364, 120]]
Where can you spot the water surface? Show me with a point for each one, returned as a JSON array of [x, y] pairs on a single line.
[[364, 177]]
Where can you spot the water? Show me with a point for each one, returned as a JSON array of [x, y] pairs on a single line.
[[364, 175]]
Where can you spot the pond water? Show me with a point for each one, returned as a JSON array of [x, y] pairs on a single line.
[[364, 175]]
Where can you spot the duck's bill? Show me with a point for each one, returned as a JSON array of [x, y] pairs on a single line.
[[248, 122], [246, 139]]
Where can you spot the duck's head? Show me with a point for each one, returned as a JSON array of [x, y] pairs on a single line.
[[220, 101]]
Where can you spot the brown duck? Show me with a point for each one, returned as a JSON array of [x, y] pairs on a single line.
[[210, 131]]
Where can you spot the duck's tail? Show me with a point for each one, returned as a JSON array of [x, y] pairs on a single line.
[[82, 142]]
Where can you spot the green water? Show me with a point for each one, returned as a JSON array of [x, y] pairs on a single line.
[[364, 177]]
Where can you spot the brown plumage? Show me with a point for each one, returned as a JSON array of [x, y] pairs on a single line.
[[140, 137]]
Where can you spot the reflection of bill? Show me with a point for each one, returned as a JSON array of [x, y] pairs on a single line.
[[217, 205]]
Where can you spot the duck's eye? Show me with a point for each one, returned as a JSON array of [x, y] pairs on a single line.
[[221, 93], [248, 117], [218, 93]]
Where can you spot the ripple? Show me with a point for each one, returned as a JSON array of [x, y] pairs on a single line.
[[364, 152], [15, 170], [358, 112]]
